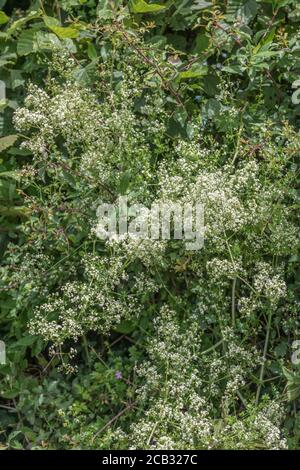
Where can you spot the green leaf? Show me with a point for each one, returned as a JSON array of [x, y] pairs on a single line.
[[212, 108], [202, 43], [3, 18], [126, 327], [67, 32], [293, 384], [104, 9], [91, 51], [195, 71], [26, 42], [16, 78], [14, 211], [7, 141], [249, 11], [140, 6]]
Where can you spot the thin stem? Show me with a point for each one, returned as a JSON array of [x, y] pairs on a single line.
[[233, 302], [262, 370]]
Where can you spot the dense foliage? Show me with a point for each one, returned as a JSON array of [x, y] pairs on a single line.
[[141, 344]]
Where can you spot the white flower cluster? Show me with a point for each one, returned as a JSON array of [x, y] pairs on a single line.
[[178, 411], [99, 302]]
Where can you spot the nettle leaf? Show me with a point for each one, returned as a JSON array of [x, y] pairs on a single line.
[[63, 32], [140, 6], [26, 42], [3, 18], [7, 141]]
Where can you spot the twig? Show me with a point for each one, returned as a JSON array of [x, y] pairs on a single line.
[[111, 421], [152, 64]]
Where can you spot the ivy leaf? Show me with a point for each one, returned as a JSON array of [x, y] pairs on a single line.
[[63, 32], [7, 141], [140, 6], [3, 17]]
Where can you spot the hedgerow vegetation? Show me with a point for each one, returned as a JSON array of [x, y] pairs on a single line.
[[141, 344]]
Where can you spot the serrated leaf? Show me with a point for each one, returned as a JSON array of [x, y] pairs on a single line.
[[26, 42], [140, 6]]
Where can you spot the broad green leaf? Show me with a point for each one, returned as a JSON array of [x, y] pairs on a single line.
[[47, 40], [3, 18], [26, 42], [202, 42], [194, 72], [248, 11], [7, 141], [140, 6], [62, 32], [104, 9], [91, 50], [16, 79]]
